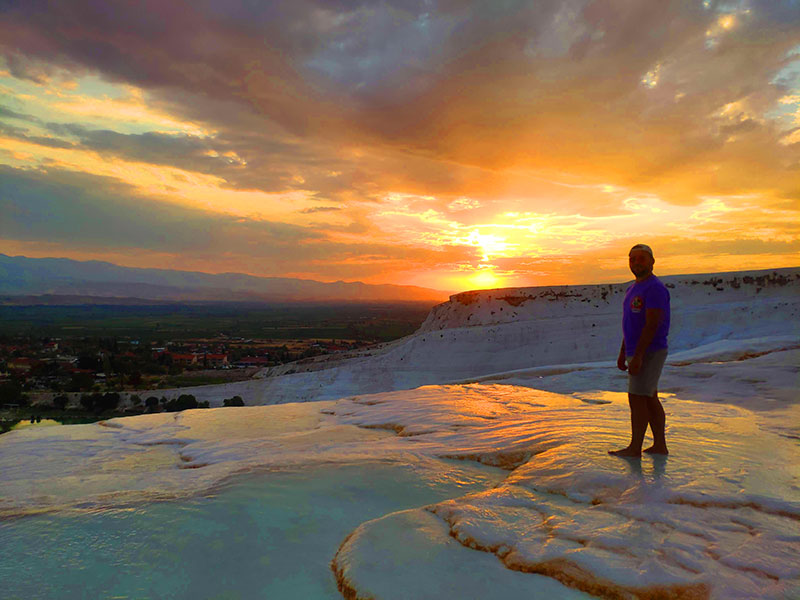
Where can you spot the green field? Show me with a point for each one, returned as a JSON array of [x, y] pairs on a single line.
[[368, 322]]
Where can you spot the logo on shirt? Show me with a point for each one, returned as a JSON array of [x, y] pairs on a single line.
[[636, 304]]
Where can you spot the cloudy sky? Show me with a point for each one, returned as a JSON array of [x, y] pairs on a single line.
[[446, 144]]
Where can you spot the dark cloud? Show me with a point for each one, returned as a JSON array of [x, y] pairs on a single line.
[[7, 113], [21, 133], [88, 210], [193, 153], [13, 131], [28, 68], [242, 160]]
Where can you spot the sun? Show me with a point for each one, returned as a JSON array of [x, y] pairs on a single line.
[[483, 279]]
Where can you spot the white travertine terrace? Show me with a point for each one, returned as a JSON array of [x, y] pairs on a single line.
[[721, 516]]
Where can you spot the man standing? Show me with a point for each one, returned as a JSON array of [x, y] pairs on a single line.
[[645, 325]]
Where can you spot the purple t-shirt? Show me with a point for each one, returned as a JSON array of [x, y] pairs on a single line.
[[650, 293]]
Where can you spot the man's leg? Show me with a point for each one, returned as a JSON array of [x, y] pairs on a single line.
[[657, 420], [640, 416]]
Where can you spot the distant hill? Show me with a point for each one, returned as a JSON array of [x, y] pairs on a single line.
[[22, 276]]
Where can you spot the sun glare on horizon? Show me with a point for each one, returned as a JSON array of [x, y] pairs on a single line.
[[482, 279]]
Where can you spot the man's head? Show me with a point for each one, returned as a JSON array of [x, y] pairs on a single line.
[[641, 261]]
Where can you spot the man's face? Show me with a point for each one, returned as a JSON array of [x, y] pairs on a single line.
[[640, 262]]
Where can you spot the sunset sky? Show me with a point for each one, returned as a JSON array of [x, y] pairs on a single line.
[[453, 145]]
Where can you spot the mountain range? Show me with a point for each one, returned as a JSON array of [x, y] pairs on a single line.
[[35, 280]]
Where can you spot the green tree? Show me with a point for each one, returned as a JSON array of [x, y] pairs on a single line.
[[80, 381], [183, 402], [235, 401], [10, 392], [135, 378], [107, 368], [88, 400], [108, 401], [89, 361]]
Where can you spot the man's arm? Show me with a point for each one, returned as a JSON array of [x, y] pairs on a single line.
[[621, 358], [652, 319]]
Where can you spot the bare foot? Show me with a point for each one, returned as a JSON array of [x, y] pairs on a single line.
[[625, 452], [656, 450]]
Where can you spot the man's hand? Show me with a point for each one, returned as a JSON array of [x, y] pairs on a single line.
[[635, 365], [621, 363]]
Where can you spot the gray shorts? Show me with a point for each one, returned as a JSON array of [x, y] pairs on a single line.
[[645, 383]]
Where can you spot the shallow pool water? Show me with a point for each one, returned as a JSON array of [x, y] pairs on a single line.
[[270, 535]]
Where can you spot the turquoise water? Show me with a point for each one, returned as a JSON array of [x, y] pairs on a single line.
[[267, 536]]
